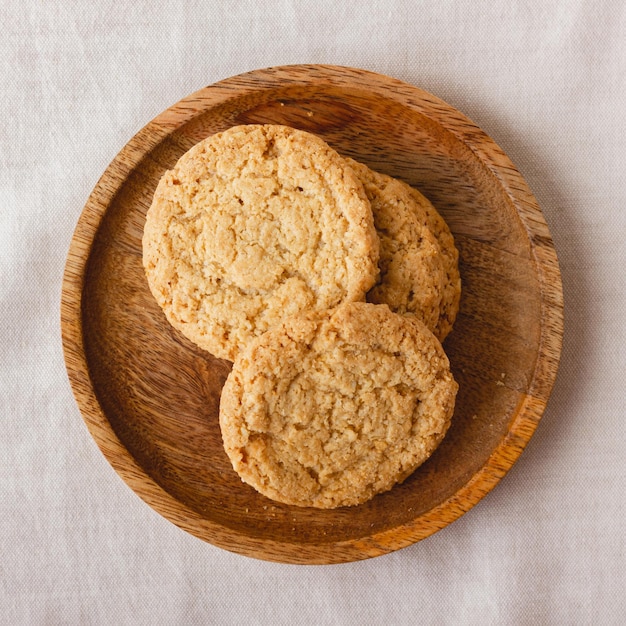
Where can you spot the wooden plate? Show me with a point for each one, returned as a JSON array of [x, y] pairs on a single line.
[[150, 398]]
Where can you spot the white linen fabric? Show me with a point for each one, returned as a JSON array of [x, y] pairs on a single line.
[[547, 80]]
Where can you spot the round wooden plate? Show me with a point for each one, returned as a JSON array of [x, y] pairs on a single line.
[[150, 398]]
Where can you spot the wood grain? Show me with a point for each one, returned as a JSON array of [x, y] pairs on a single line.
[[150, 398]]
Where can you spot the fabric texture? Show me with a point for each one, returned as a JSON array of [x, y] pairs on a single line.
[[547, 80]]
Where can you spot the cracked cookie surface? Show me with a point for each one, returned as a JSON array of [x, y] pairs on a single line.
[[451, 294], [252, 225], [329, 408], [411, 278], [418, 259]]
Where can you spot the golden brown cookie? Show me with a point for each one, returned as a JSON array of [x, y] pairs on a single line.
[[450, 256], [412, 276], [329, 408], [254, 224], [418, 270]]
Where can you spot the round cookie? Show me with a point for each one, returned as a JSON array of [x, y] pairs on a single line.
[[410, 280], [412, 276], [254, 224], [329, 408], [450, 256]]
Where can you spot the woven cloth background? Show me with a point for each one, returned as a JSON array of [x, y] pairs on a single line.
[[547, 80]]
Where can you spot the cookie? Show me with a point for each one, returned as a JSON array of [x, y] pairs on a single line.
[[252, 225], [450, 257], [329, 408], [418, 259], [412, 276]]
